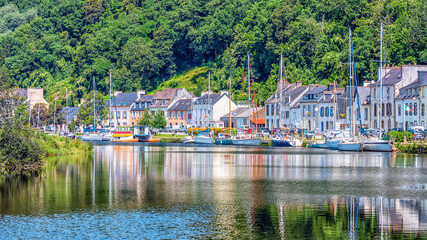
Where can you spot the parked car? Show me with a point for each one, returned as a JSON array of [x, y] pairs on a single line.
[[418, 132]]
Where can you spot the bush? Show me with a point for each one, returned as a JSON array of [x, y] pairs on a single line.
[[399, 136]]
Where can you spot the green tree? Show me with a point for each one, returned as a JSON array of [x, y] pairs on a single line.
[[159, 120], [146, 119], [85, 114]]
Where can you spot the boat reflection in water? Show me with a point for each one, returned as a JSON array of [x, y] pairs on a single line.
[[219, 192]]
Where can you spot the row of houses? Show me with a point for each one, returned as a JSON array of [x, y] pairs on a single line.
[[382, 103]]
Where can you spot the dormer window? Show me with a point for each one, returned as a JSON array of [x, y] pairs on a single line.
[[163, 102]]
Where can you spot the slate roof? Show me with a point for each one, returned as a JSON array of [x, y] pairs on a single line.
[[314, 91], [213, 98], [344, 99], [422, 78], [391, 78], [182, 105], [72, 112], [404, 93], [275, 97], [167, 94], [141, 102], [122, 100], [296, 92], [241, 112]]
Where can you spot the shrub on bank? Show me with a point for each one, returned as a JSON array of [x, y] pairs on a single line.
[[21, 146], [399, 136]]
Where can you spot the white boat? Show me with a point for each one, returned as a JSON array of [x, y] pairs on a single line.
[[108, 136], [286, 142], [333, 144], [91, 137], [377, 145], [203, 139], [187, 140], [318, 144], [247, 141], [353, 146]]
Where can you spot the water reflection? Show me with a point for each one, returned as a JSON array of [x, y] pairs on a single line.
[[225, 192]]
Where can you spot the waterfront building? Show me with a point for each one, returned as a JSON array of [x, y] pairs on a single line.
[[348, 107], [240, 116], [422, 79], [138, 107], [180, 113], [165, 99], [120, 108], [275, 114], [205, 113], [290, 102], [327, 106], [393, 79], [309, 106], [407, 106]]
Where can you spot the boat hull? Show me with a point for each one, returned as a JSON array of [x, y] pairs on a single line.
[[223, 142], [318, 145], [333, 145], [378, 147], [143, 137], [91, 137], [354, 147], [203, 140], [246, 142], [281, 143]]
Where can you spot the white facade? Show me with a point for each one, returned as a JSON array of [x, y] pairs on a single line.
[[325, 116], [409, 119], [204, 113], [295, 117]]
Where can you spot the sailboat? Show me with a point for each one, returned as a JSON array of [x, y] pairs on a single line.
[[352, 144], [283, 139], [92, 135], [377, 144], [246, 138], [204, 137], [225, 138]]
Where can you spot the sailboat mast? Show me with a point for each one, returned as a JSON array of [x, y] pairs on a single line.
[[381, 80], [66, 99], [281, 88], [94, 109], [249, 89], [109, 117], [229, 106], [335, 107], [350, 79], [54, 118], [209, 92]]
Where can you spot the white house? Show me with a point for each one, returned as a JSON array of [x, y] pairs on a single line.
[[206, 113], [327, 104], [422, 79], [309, 107], [290, 103], [393, 79]]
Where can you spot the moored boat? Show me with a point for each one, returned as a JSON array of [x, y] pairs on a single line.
[[318, 144], [377, 145], [353, 146], [246, 140], [124, 134], [141, 133], [203, 137], [223, 139]]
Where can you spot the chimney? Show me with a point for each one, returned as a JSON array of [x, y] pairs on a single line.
[[117, 93], [298, 84], [203, 93], [140, 93]]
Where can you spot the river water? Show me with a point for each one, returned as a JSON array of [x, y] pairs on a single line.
[[181, 192]]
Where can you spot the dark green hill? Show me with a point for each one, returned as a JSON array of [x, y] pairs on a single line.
[[63, 43]]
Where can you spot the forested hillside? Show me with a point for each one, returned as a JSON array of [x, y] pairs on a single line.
[[63, 43]]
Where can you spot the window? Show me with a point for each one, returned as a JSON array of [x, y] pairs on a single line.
[[366, 114], [182, 114], [375, 92], [399, 110], [189, 116], [309, 111], [375, 110], [422, 109], [154, 101], [303, 111], [332, 111], [415, 109], [267, 111], [406, 112], [125, 115], [176, 114], [327, 112], [287, 114], [410, 107], [321, 111], [382, 109], [388, 92], [170, 114], [163, 102], [272, 109], [118, 115]]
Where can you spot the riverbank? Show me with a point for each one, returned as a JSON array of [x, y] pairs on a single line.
[[24, 148]]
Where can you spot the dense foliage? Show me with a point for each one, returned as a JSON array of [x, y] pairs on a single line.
[[59, 43]]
